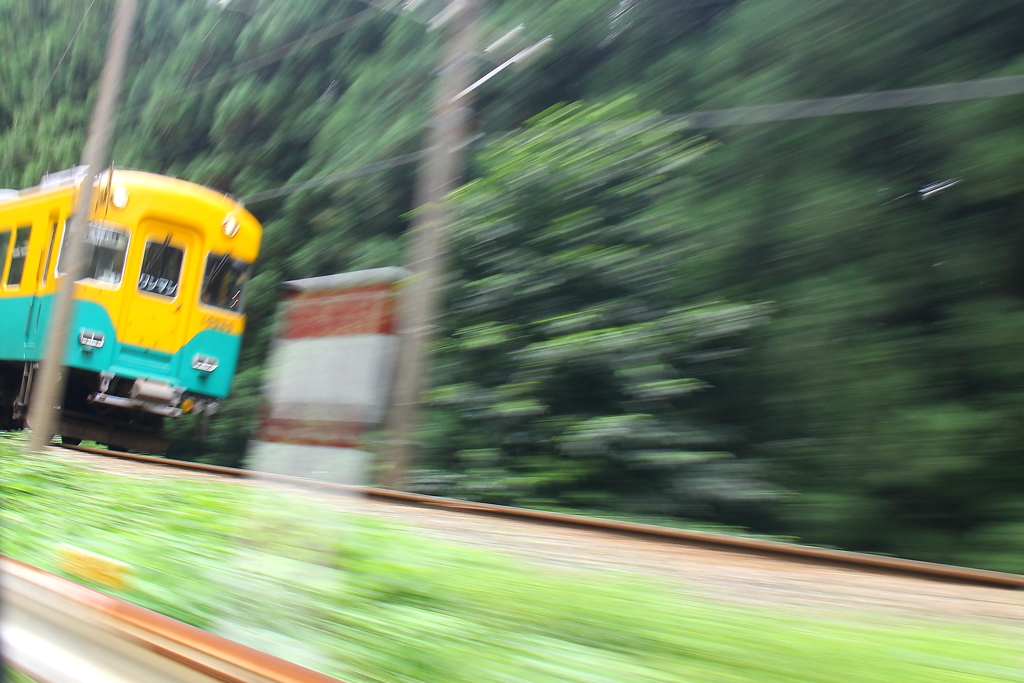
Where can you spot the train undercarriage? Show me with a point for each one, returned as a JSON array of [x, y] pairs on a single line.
[[118, 412]]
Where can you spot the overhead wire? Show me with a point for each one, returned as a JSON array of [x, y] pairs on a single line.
[[279, 53], [737, 116], [396, 7], [60, 61], [862, 102], [67, 49], [284, 51], [335, 177], [258, 62], [734, 116], [266, 59]]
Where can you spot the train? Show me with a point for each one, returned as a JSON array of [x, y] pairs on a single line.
[[158, 317]]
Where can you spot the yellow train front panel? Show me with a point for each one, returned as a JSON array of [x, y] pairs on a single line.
[[164, 289]]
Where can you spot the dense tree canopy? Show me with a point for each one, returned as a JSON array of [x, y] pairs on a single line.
[[564, 371], [809, 327]]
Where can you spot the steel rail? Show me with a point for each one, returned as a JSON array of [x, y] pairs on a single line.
[[751, 546], [57, 631]]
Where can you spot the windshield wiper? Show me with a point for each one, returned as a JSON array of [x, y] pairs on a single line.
[[220, 264]]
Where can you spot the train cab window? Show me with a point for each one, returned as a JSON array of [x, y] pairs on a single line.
[[105, 251], [18, 255], [5, 241], [161, 268], [224, 282]]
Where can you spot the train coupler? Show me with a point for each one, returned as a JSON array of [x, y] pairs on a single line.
[[151, 396]]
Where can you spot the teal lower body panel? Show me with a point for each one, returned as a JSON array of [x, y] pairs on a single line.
[[17, 340], [224, 347], [23, 324]]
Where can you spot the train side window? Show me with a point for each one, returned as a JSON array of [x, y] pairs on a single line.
[[18, 255], [161, 268], [105, 252], [224, 282], [5, 241], [49, 250]]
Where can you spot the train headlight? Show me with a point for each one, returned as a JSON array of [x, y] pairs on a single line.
[[231, 226], [119, 197], [204, 363], [91, 339]]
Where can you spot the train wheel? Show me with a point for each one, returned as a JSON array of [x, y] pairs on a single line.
[[70, 440]]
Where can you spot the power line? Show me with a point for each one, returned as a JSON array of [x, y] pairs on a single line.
[[739, 116], [335, 177], [282, 52], [67, 49], [852, 104], [276, 55], [260, 61], [395, 7], [265, 59], [285, 51], [60, 61]]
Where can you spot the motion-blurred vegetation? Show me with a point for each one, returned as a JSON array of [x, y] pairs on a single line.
[[794, 296], [370, 602]]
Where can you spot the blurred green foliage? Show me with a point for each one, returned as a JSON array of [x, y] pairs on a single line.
[[863, 363], [370, 602], [563, 377], [13, 676]]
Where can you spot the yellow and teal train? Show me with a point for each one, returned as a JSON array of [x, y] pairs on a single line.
[[158, 318]]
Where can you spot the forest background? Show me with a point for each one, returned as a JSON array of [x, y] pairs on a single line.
[[809, 328]]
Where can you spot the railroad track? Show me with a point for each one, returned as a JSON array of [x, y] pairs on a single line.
[[774, 549]]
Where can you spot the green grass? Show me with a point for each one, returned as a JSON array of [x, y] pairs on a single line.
[[369, 602]]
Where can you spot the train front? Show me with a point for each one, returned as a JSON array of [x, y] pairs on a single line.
[[159, 315]]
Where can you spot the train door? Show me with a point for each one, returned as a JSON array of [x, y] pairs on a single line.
[[154, 312], [11, 343], [35, 312]]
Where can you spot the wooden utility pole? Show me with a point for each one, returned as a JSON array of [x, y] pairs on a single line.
[[439, 175], [48, 389]]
